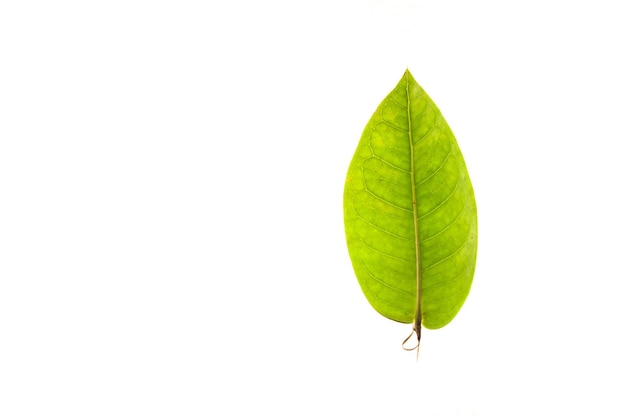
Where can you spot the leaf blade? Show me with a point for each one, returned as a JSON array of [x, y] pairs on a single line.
[[409, 211]]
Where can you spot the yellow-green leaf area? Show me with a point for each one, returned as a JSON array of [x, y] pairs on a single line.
[[410, 212]]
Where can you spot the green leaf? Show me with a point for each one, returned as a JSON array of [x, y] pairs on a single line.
[[410, 213]]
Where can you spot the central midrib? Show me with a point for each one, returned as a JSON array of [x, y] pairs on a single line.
[[417, 321]]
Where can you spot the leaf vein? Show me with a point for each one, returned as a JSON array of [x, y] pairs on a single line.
[[447, 227], [446, 282], [423, 137], [374, 277], [380, 228], [457, 305], [386, 162], [385, 122], [453, 252], [367, 190], [449, 196], [370, 247], [436, 171], [390, 97]]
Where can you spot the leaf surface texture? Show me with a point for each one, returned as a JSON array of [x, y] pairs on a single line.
[[410, 212]]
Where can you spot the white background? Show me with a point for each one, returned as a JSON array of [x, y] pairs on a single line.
[[171, 231]]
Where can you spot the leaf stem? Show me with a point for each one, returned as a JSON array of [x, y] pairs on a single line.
[[417, 331]]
